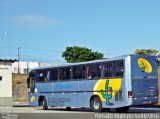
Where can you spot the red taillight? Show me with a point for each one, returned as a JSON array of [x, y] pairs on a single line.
[[130, 94]]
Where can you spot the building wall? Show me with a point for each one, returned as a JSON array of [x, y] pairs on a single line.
[[5, 84], [19, 86], [25, 67]]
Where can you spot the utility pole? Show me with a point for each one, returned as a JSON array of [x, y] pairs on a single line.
[[18, 59]]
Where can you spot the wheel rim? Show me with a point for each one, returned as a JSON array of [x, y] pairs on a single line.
[[96, 104]]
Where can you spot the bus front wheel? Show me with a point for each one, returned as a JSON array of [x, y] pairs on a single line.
[[96, 104], [44, 104]]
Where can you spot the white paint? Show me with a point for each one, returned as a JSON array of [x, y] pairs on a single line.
[[6, 82]]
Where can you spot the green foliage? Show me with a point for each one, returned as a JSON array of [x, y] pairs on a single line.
[[106, 94], [146, 52], [80, 54], [152, 52]]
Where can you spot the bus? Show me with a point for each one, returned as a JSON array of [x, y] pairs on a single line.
[[116, 83]]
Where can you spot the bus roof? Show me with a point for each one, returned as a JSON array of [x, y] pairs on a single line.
[[88, 62]]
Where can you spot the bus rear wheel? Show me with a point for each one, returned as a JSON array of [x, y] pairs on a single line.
[[122, 109], [44, 104], [68, 108], [106, 109], [96, 104]]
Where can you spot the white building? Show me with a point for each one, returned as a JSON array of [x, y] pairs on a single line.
[[25, 67], [6, 82]]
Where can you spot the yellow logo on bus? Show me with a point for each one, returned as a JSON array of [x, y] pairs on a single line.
[[33, 98], [107, 88], [145, 65]]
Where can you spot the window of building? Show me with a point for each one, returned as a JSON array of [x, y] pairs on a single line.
[[25, 71], [15, 70]]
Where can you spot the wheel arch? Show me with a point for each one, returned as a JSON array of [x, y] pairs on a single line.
[[91, 98], [40, 100]]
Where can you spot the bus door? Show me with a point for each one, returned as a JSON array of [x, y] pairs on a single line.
[[144, 79]]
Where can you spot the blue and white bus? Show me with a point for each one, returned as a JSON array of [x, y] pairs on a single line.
[[118, 83]]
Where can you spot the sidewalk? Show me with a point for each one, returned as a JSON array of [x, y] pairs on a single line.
[[150, 106], [26, 104], [21, 104]]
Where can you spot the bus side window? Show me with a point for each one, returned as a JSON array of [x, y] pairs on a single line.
[[77, 72], [113, 69], [53, 74], [95, 70], [62, 73], [88, 72], [68, 73], [84, 72], [65, 73], [120, 68], [108, 69], [42, 76]]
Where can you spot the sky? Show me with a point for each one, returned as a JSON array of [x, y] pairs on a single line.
[[42, 29]]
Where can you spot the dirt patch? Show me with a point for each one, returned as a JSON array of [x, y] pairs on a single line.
[[19, 88]]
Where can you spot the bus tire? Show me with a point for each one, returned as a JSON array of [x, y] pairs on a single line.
[[106, 109], [44, 104], [68, 108], [122, 109], [96, 104]]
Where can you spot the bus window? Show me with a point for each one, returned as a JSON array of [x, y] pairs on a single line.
[[30, 78], [65, 73], [113, 69], [84, 72], [88, 72], [96, 70], [77, 72], [53, 74], [41, 75], [68, 73], [31, 81], [119, 68]]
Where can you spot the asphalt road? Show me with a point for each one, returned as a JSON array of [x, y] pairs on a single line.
[[24, 112]]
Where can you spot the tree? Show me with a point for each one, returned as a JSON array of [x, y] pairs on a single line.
[[80, 54], [146, 52], [152, 52]]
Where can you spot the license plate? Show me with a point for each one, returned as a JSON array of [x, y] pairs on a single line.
[[146, 102]]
